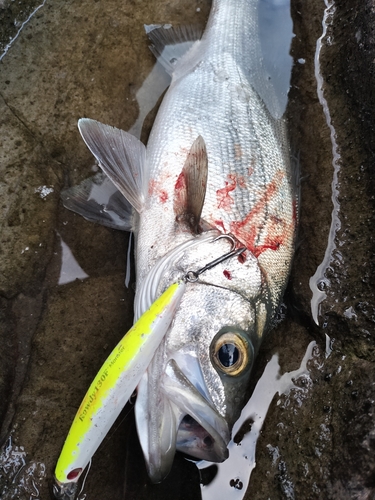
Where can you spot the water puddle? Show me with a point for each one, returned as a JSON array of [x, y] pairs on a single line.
[[70, 269], [276, 32], [21, 479], [319, 282], [148, 94], [233, 476]]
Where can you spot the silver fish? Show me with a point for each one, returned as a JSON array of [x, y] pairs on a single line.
[[217, 163]]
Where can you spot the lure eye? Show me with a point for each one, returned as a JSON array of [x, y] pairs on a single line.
[[73, 474], [230, 353]]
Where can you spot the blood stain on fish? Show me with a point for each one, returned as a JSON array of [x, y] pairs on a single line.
[[180, 183], [249, 228], [220, 224], [151, 187], [242, 258], [227, 274], [180, 194], [163, 196], [241, 182], [224, 199], [155, 189]]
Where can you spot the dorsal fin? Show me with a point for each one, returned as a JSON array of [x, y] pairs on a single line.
[[190, 188], [170, 43], [121, 156]]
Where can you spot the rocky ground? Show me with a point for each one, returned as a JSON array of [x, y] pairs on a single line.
[[75, 59]]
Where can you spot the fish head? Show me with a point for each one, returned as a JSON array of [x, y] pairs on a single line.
[[195, 387]]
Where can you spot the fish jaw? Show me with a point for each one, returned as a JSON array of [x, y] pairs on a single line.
[[190, 401], [156, 428], [184, 420]]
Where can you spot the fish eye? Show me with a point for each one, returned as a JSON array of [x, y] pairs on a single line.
[[230, 353]]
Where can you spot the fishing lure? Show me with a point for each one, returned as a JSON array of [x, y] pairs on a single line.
[[112, 388]]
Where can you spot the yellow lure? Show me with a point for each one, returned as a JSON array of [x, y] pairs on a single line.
[[114, 384]]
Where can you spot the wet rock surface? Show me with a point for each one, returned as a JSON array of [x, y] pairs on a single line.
[[321, 445], [73, 60]]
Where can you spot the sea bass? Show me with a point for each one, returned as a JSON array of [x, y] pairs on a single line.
[[215, 176]]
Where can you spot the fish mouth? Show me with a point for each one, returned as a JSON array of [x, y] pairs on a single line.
[[196, 442], [183, 419], [203, 433]]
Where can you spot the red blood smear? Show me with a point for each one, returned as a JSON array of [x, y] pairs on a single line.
[[224, 199], [242, 258], [154, 189], [220, 224], [151, 187], [73, 474], [179, 202], [241, 181], [248, 229], [163, 196], [227, 274], [180, 183]]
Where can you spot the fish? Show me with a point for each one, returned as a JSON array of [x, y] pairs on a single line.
[[216, 175]]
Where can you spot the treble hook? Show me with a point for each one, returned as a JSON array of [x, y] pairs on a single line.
[[193, 276]]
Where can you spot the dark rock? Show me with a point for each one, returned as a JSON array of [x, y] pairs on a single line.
[[326, 444]]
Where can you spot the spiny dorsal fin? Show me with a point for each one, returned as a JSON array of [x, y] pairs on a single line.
[[170, 43], [190, 188], [121, 156]]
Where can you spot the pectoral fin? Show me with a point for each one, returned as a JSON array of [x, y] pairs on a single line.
[[121, 156], [190, 188]]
